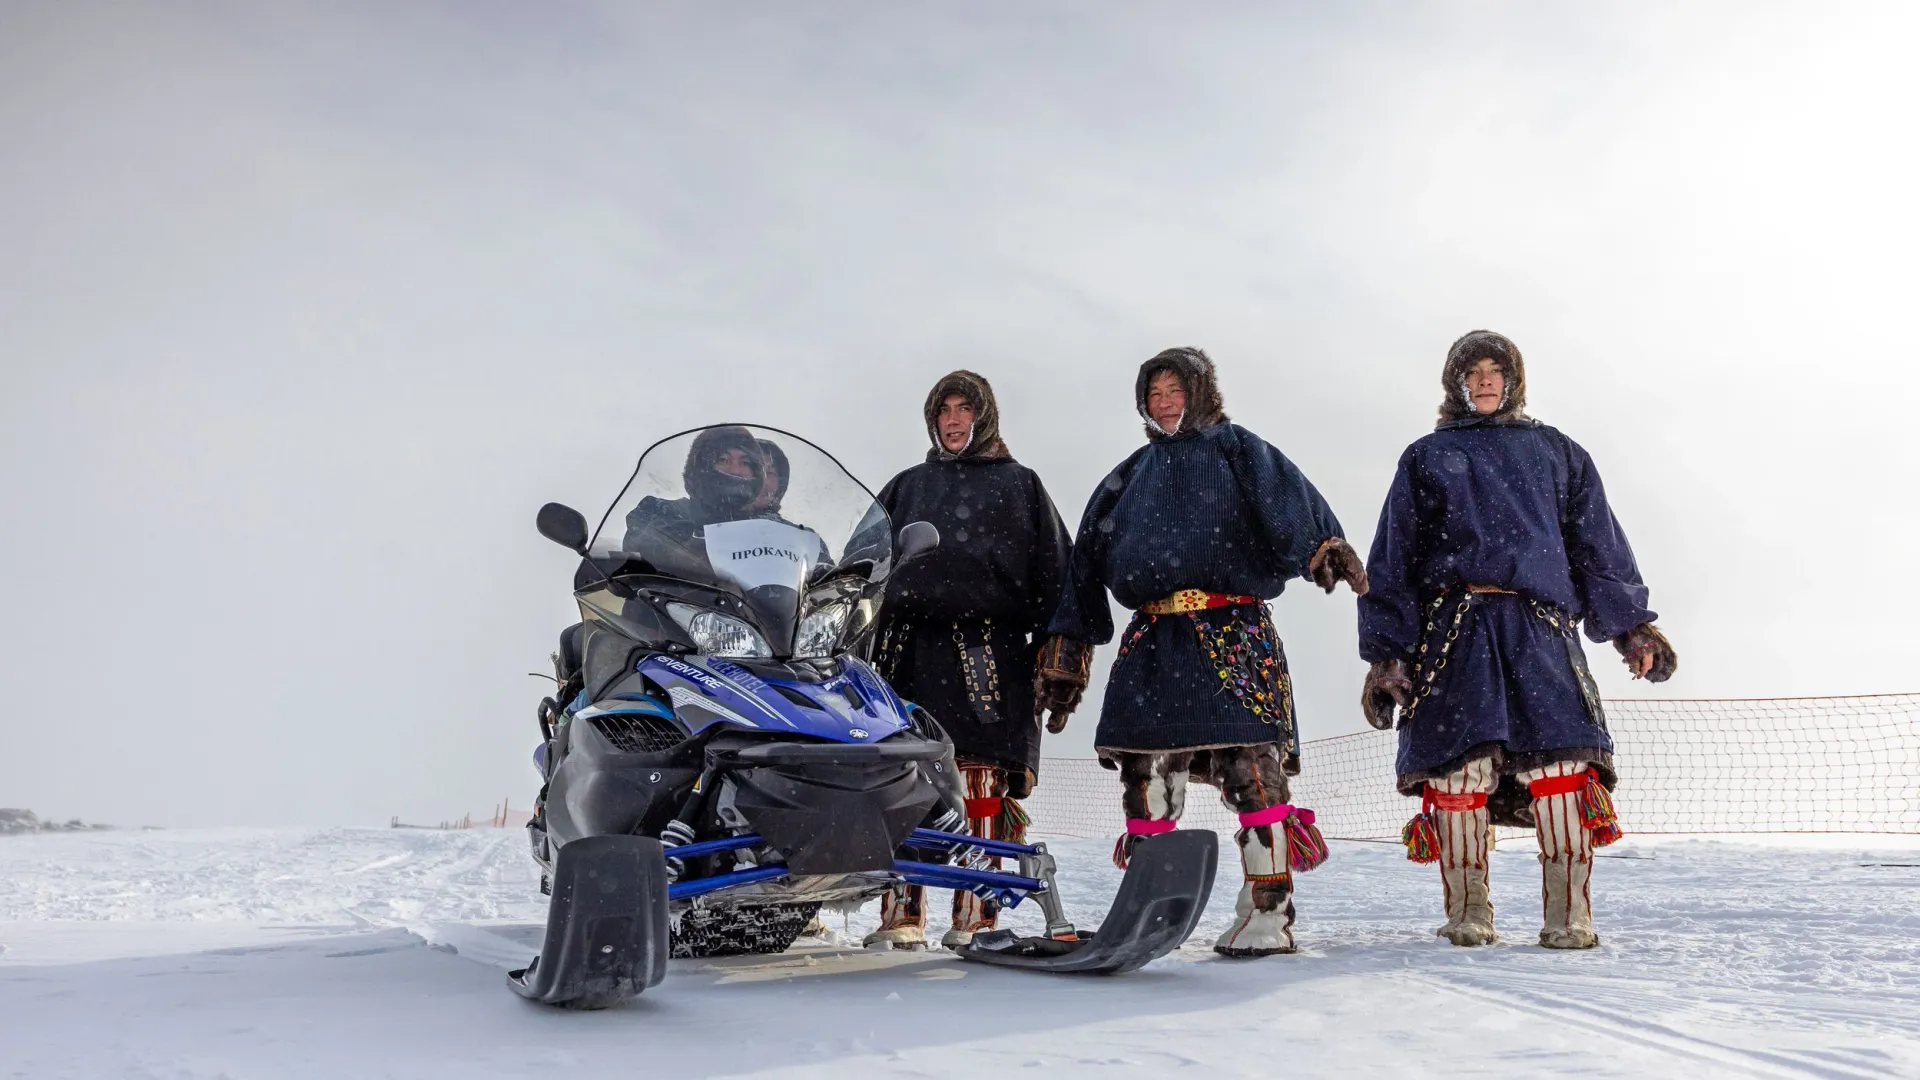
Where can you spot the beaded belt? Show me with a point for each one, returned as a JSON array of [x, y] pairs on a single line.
[[1493, 589], [1194, 600]]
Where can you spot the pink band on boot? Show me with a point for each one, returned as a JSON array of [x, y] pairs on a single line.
[[1274, 814], [1148, 827]]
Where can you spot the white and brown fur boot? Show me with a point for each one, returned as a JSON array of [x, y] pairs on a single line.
[[903, 920], [1263, 912], [1566, 862], [1153, 795], [1252, 780], [1460, 818]]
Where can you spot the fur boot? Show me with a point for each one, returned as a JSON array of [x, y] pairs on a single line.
[[1566, 861], [1153, 795], [1253, 782], [903, 920], [1263, 912], [1464, 833]]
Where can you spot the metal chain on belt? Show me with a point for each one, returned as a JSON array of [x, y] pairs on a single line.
[[975, 693], [1552, 617], [1446, 646], [893, 644]]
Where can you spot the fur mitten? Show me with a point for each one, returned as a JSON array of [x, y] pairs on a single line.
[[1387, 685], [1336, 561], [1643, 640], [1020, 783], [1060, 677]]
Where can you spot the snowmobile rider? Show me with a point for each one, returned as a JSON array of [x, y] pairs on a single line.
[[725, 474], [776, 476], [723, 477], [1495, 543], [1195, 532], [961, 628]]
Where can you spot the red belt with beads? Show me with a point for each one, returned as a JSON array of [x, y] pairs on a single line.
[[1194, 600]]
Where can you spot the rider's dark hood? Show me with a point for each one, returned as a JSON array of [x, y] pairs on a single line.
[[777, 470], [1195, 371], [985, 444], [718, 496], [1469, 350]]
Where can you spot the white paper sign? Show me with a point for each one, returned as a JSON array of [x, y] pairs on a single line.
[[759, 552]]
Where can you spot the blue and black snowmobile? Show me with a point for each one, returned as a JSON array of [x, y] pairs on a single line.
[[720, 762]]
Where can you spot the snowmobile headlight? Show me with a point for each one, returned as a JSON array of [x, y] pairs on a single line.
[[719, 635], [820, 630]]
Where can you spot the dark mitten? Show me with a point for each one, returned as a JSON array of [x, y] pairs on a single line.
[[1643, 640], [1020, 783], [1060, 677], [1336, 561], [1387, 685]]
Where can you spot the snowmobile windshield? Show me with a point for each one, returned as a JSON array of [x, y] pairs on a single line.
[[760, 514]]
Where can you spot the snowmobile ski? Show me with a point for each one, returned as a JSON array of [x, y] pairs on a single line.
[[607, 937], [1169, 879]]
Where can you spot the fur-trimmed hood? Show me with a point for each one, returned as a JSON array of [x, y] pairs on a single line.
[[1195, 371], [986, 444], [1469, 350]]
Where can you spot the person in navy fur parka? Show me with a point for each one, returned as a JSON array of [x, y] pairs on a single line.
[[1495, 543], [1196, 531]]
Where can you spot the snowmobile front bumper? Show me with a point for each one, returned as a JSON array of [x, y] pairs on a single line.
[[1169, 879], [607, 935], [1009, 889]]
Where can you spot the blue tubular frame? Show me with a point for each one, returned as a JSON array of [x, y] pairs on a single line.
[[1012, 888], [683, 890], [935, 838], [960, 877]]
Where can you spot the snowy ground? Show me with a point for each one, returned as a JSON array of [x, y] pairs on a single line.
[[364, 952]]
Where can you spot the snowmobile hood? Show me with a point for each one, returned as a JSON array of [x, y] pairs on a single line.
[[853, 706], [1469, 350]]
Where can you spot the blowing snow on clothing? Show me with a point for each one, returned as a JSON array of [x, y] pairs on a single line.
[[1219, 509]]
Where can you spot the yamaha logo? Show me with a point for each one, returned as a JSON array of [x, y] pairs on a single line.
[[858, 733]]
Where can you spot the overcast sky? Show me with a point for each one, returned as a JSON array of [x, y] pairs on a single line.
[[305, 309]]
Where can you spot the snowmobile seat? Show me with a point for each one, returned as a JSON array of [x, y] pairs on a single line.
[[570, 658]]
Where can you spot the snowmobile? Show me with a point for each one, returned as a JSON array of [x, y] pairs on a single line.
[[720, 762]]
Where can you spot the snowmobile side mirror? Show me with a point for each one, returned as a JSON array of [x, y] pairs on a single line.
[[564, 526], [916, 539]]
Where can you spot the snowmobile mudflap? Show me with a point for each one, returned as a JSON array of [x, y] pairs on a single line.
[[606, 925], [1169, 879]]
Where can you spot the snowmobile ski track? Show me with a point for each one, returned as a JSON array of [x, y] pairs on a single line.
[[606, 925], [1169, 879]]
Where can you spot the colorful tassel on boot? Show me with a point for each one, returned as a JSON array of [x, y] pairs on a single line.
[[1011, 822], [1306, 848], [1596, 812], [1422, 838]]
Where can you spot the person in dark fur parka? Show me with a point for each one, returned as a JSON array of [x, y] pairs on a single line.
[[1196, 531], [1495, 543], [960, 631]]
